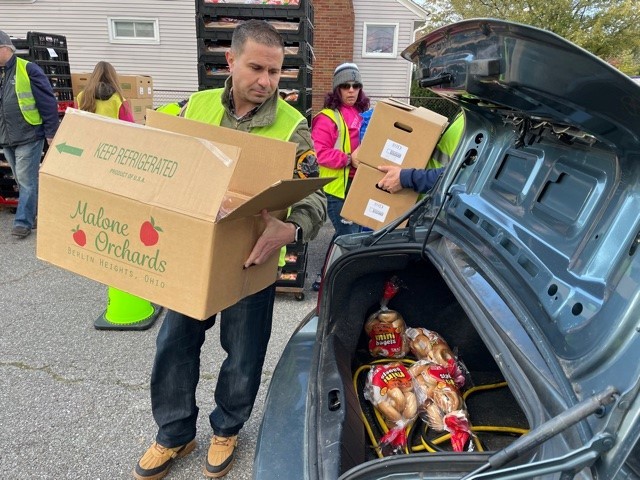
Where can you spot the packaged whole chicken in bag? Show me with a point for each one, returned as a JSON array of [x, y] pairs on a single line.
[[440, 403], [386, 328], [389, 388]]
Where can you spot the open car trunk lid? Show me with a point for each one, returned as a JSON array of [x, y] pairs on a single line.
[[529, 269]]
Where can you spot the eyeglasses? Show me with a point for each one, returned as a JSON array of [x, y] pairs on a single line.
[[347, 86]]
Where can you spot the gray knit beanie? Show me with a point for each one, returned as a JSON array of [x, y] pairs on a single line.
[[346, 73], [5, 41]]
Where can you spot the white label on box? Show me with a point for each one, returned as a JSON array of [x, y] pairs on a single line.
[[376, 210], [394, 152], [52, 53]]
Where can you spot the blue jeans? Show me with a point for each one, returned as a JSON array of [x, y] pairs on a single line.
[[245, 329], [340, 225], [25, 164]]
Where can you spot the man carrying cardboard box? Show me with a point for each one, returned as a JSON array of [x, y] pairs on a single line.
[[249, 102]]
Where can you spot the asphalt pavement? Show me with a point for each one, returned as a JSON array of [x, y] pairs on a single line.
[[74, 401]]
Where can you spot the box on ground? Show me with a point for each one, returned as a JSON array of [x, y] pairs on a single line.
[[136, 207], [133, 86], [139, 107], [398, 134], [372, 207]]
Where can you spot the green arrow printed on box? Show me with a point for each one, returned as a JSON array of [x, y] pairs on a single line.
[[64, 148]]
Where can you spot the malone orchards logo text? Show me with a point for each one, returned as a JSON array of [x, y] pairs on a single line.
[[111, 237]]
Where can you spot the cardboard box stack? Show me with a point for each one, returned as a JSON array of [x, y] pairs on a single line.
[[169, 213], [398, 134], [137, 89]]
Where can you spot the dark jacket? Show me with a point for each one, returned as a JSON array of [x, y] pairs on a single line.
[[420, 180], [14, 129]]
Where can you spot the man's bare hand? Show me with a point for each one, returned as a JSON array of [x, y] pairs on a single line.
[[391, 181], [276, 235]]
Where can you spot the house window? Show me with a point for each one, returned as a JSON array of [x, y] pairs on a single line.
[[380, 40], [133, 30]]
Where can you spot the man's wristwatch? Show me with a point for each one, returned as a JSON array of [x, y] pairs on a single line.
[[298, 233]]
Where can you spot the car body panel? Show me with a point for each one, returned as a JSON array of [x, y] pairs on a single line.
[[533, 228]]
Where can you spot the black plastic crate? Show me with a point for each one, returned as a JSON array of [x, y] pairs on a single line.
[[210, 72], [291, 278], [54, 68], [45, 53], [20, 43], [296, 77], [60, 81], [303, 9], [63, 94], [212, 50], [39, 39], [298, 98], [221, 28], [296, 257]]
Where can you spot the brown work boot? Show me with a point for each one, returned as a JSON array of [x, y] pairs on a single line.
[[156, 461], [220, 457]]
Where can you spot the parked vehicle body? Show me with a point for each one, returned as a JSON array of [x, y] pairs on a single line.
[[524, 257]]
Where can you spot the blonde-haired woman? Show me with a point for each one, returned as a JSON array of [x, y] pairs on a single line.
[[103, 94]]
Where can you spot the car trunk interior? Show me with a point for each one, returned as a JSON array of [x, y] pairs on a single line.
[[424, 300]]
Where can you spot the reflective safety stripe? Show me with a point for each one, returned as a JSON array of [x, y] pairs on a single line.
[[26, 100]]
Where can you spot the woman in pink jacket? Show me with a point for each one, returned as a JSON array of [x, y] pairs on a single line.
[[336, 136]]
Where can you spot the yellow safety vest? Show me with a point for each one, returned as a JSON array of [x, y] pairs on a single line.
[[206, 106], [338, 187], [448, 143], [170, 108], [26, 100], [107, 108]]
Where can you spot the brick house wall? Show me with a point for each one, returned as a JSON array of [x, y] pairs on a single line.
[[333, 38]]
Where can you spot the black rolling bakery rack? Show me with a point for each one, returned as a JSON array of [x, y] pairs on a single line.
[[49, 51], [215, 22]]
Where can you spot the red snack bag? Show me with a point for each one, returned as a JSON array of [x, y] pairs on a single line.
[[389, 388]]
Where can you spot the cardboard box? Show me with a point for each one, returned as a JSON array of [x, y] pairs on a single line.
[[133, 86], [372, 207], [398, 134], [401, 134], [136, 86], [139, 107], [136, 207]]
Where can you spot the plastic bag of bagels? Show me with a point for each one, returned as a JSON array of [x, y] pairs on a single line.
[[389, 388], [428, 345], [440, 403], [386, 328]]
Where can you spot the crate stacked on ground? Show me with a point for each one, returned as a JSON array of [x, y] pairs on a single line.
[[215, 22], [292, 276], [49, 51]]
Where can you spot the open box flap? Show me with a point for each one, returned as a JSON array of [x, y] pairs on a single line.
[[279, 196]]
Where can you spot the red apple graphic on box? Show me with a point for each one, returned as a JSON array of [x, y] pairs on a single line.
[[79, 236], [149, 232]]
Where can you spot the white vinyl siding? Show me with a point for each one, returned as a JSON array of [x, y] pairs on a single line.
[[385, 75], [172, 61]]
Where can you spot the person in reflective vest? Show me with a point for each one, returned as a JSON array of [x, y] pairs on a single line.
[[28, 116], [249, 102], [336, 136]]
